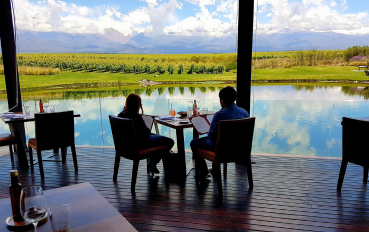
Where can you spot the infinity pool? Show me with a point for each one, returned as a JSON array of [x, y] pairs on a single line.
[[290, 119]]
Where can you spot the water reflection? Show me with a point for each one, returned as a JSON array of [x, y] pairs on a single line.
[[290, 119]]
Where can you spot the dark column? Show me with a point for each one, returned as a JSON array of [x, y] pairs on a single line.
[[244, 52], [9, 57], [8, 48]]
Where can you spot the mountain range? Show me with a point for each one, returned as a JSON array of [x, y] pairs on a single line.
[[114, 42]]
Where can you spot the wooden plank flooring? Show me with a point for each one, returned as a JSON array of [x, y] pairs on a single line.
[[290, 194]]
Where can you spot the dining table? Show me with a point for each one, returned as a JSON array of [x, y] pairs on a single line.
[[89, 211], [16, 126], [185, 167]]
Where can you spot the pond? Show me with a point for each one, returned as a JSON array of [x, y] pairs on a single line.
[[290, 119]]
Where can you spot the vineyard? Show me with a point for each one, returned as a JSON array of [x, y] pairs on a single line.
[[50, 63], [137, 64]]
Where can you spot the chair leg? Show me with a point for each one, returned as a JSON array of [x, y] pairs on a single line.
[[39, 157], [249, 174], [116, 166], [30, 156], [74, 155], [134, 175], [11, 152], [147, 166], [342, 174], [365, 175], [225, 170], [218, 178], [64, 154]]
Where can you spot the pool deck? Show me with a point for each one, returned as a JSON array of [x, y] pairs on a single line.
[[291, 193]]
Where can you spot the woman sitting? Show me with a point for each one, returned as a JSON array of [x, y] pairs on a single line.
[[145, 138]]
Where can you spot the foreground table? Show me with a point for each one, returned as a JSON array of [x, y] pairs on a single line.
[[89, 210], [16, 125]]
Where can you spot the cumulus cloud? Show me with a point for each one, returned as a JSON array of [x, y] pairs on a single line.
[[311, 16]]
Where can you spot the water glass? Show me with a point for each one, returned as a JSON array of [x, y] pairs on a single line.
[[189, 113], [215, 106], [26, 108], [189, 105], [205, 110], [59, 217], [52, 108]]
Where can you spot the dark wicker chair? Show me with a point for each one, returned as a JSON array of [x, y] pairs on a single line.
[[233, 144], [53, 130], [8, 140], [126, 146], [353, 147]]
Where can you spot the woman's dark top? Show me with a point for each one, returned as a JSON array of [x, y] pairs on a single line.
[[142, 132]]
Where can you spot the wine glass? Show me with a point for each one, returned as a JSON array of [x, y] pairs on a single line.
[[215, 106], [26, 108], [46, 105], [33, 205]]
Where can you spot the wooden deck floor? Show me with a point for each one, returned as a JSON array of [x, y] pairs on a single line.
[[290, 194]]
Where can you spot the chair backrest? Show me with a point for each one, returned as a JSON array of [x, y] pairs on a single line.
[[234, 140], [124, 136], [354, 140], [54, 130]]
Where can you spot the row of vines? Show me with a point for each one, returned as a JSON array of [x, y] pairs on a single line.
[[122, 63], [189, 63]]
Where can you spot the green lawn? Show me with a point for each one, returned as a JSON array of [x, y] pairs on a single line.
[[322, 73], [339, 73], [32, 81]]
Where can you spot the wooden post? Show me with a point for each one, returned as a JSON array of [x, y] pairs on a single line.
[[244, 53], [8, 48]]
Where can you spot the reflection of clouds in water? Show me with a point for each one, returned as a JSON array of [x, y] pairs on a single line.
[[282, 127], [287, 92], [279, 129]]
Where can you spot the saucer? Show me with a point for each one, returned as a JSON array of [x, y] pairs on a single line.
[[23, 224]]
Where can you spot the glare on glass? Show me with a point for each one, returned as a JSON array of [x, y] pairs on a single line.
[[59, 217], [52, 108], [33, 205]]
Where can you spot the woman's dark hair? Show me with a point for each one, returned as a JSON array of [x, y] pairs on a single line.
[[133, 104], [228, 94]]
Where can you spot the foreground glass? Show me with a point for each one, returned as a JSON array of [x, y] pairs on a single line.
[[59, 217], [33, 205]]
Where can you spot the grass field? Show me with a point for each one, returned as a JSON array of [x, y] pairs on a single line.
[[319, 73]]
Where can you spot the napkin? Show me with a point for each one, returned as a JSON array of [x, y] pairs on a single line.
[[8, 115], [19, 116], [166, 117]]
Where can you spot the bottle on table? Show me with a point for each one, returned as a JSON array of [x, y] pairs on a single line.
[[15, 191], [194, 108], [41, 106]]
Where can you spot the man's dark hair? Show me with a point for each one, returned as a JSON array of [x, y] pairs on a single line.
[[228, 94]]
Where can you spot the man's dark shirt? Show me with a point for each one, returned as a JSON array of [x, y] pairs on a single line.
[[142, 132]]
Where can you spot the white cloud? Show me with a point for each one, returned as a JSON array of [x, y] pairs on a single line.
[[333, 3], [311, 16]]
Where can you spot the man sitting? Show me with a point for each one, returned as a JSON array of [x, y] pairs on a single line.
[[227, 97]]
